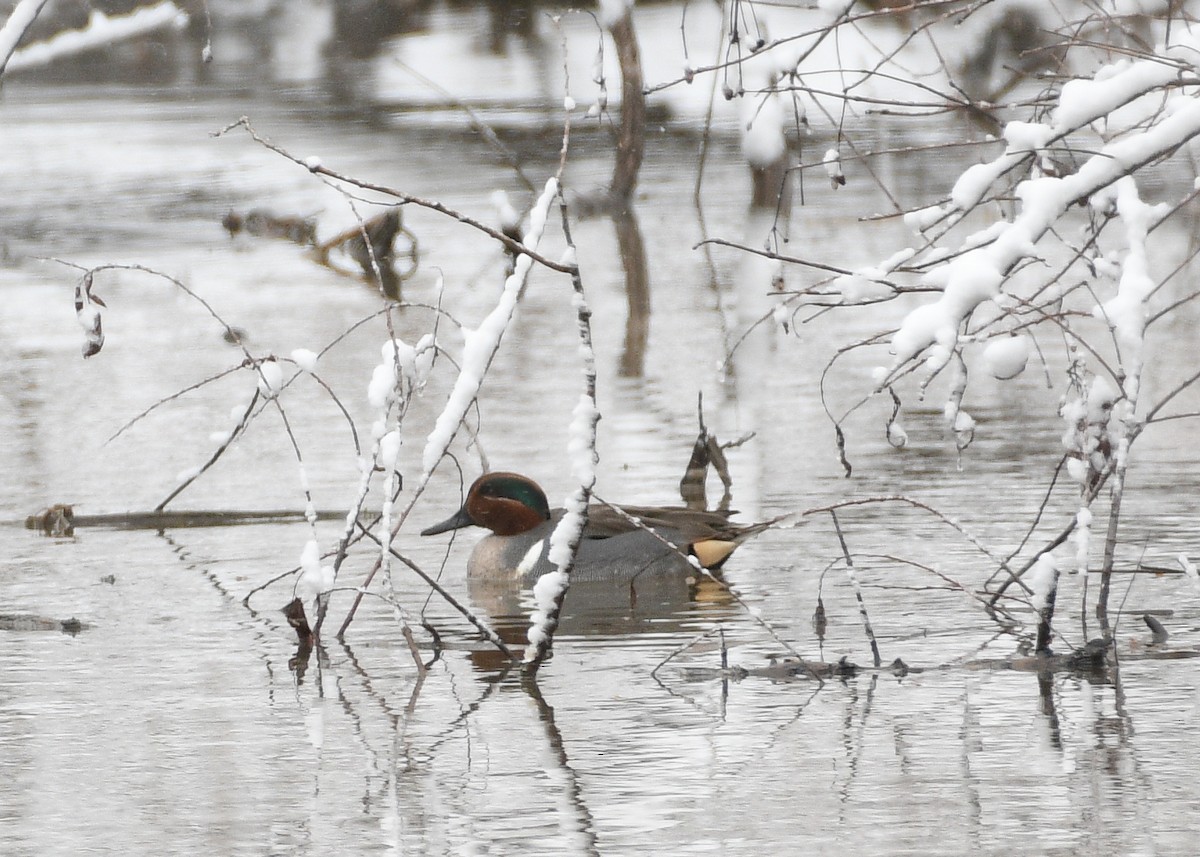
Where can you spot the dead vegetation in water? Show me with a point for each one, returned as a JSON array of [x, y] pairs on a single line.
[[379, 250], [56, 521]]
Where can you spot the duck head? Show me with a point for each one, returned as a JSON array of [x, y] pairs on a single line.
[[508, 504]]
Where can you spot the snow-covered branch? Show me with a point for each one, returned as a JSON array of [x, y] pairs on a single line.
[[481, 344], [551, 588], [100, 32], [19, 21]]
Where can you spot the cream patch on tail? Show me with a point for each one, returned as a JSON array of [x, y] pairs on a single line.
[[712, 552]]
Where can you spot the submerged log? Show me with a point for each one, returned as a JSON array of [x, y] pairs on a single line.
[[171, 519], [30, 622], [1091, 662]]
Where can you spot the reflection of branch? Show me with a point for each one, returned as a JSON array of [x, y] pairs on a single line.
[[679, 650], [855, 746], [585, 825], [955, 585]]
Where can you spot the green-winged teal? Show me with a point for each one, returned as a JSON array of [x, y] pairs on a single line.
[[514, 508]]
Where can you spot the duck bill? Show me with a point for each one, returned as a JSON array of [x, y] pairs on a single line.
[[456, 521]]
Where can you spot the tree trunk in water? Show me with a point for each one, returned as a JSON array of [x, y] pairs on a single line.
[[631, 139], [637, 293], [631, 143]]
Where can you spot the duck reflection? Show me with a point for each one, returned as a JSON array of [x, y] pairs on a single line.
[[660, 605]]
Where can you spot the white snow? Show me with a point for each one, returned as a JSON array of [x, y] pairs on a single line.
[[1189, 570], [89, 319], [763, 142], [270, 378], [18, 21], [405, 365], [923, 218], [100, 32], [922, 327], [1005, 357], [1026, 136], [379, 390], [305, 359], [836, 8], [88, 316], [1091, 420], [581, 450], [964, 428], [968, 281], [389, 449], [1082, 538], [315, 578], [977, 274], [1101, 395], [481, 344], [1043, 579], [507, 216], [833, 167], [581, 447], [1126, 313], [975, 181], [545, 593], [1082, 101], [861, 287], [611, 11]]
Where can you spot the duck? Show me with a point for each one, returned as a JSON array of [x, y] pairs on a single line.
[[515, 511]]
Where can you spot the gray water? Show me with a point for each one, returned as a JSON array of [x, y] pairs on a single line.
[[175, 722]]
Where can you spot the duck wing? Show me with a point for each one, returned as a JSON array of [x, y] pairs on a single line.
[[677, 523]]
